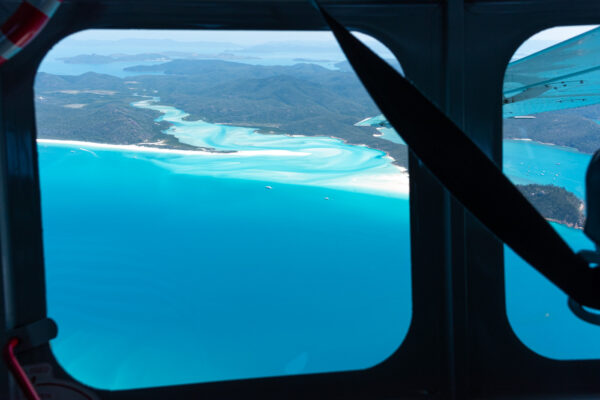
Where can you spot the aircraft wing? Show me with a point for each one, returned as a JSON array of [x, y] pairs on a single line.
[[566, 75]]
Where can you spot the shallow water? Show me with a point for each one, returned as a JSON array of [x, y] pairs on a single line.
[[385, 133], [310, 160]]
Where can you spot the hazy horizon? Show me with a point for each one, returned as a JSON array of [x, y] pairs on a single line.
[[101, 40]]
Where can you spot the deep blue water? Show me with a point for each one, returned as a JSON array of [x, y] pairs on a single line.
[[536, 309], [218, 278]]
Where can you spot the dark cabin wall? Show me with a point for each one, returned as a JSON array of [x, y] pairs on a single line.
[[460, 344]]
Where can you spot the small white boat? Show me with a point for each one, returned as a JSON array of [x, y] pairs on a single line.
[[268, 187], [326, 198]]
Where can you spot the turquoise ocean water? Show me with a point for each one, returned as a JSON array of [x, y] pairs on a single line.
[[286, 257], [529, 162]]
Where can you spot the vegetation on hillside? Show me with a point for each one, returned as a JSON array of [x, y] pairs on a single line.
[[555, 203], [303, 99], [576, 128], [95, 108]]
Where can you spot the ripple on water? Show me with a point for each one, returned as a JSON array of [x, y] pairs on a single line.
[[307, 160]]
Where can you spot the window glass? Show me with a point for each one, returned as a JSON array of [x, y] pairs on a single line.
[[551, 128], [218, 205]]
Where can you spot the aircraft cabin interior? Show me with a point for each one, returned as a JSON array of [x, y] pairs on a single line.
[[299, 199]]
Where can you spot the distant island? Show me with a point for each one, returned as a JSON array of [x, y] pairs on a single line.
[[310, 60], [103, 59], [98, 59], [555, 204]]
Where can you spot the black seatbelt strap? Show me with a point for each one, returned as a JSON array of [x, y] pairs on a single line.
[[468, 174]]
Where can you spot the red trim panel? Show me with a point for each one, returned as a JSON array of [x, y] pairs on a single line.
[[24, 24], [48, 7]]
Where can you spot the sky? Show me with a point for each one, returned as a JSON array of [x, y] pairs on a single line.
[[562, 33], [238, 37], [536, 43], [549, 37]]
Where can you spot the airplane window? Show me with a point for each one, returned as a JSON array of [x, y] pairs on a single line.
[[551, 129], [218, 205]]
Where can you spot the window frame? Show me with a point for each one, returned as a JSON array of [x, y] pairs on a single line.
[[460, 343]]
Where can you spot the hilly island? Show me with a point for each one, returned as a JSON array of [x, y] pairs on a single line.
[[303, 99]]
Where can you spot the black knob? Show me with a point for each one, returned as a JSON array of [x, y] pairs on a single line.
[[592, 189]]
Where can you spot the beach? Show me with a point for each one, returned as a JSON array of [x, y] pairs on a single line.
[[381, 180], [146, 149]]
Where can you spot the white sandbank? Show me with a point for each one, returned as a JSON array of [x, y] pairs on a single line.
[[385, 184], [381, 184], [145, 149], [362, 120]]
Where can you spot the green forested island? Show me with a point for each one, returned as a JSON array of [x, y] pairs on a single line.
[[577, 128], [99, 110], [555, 203], [303, 99]]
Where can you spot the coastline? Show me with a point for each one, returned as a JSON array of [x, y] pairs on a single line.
[[383, 184], [566, 148], [363, 120], [146, 149], [262, 130], [565, 224]]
